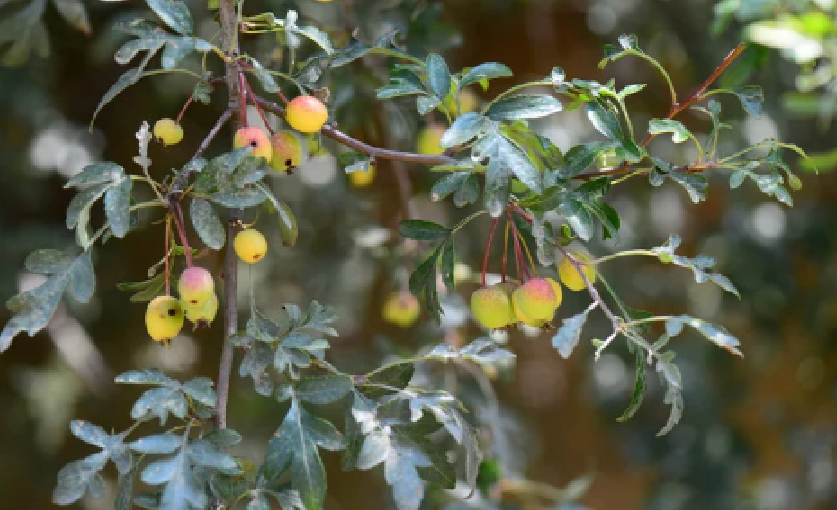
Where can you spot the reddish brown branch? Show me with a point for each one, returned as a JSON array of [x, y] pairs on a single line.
[[488, 249]]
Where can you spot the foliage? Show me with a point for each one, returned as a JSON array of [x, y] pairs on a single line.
[[547, 198]]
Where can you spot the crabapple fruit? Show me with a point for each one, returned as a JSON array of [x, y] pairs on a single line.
[[168, 131], [287, 151], [204, 314], [306, 114], [195, 286], [250, 245], [535, 300], [257, 139], [401, 308], [164, 318], [491, 307], [570, 276]]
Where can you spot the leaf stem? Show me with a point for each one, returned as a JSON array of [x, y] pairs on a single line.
[[514, 89], [488, 248]]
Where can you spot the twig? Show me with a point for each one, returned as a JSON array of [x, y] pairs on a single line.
[[369, 150], [579, 266], [183, 110], [488, 249], [177, 213], [212, 134]]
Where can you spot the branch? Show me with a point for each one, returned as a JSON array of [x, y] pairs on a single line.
[[369, 150]]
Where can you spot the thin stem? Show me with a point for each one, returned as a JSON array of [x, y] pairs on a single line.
[[258, 108], [242, 99], [177, 213], [167, 273], [505, 254], [626, 253], [467, 220], [183, 110], [212, 134], [518, 253], [528, 253], [488, 248]]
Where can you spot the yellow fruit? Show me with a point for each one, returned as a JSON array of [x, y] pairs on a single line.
[[201, 315], [525, 319], [535, 300], [570, 276], [556, 288], [287, 151], [427, 141], [257, 139], [195, 286], [362, 178], [401, 309], [250, 245], [491, 307], [168, 131], [164, 318], [306, 114]]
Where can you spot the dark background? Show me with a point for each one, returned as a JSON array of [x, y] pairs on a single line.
[[758, 432]]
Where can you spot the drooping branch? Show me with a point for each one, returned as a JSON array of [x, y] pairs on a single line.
[[371, 151]]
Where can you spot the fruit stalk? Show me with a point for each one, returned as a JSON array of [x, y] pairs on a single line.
[[488, 249], [177, 214]]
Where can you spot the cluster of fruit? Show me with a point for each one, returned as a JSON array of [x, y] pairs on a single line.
[[532, 303], [165, 315], [282, 150]]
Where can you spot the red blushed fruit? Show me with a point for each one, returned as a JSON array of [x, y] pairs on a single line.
[[195, 286], [306, 114], [536, 299], [257, 139]]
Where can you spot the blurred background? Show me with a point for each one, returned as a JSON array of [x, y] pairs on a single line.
[[757, 433]]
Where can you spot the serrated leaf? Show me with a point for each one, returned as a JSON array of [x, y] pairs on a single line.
[[34, 308], [381, 381], [79, 477], [206, 454], [639, 387], [423, 230], [716, 334], [207, 223], [423, 281], [751, 97], [524, 106], [266, 79], [295, 446], [581, 156], [254, 364], [578, 218], [695, 184]]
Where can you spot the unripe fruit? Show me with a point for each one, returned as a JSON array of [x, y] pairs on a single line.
[[250, 245], [570, 276], [427, 141], [164, 318], [362, 178], [491, 307], [287, 151], [257, 139], [168, 131], [556, 288], [535, 300], [204, 314], [401, 309], [195, 286], [306, 114], [525, 319]]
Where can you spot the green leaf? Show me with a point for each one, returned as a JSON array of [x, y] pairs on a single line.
[[97, 173], [402, 82], [423, 281], [678, 131], [463, 185], [74, 14], [160, 444], [323, 389], [145, 291], [438, 76], [207, 224], [581, 156], [314, 35], [569, 334], [578, 218], [751, 97], [294, 446], [207, 455], [265, 78], [257, 358], [79, 477], [78, 210], [605, 121], [483, 73], [394, 375], [695, 184], [426, 104], [127, 79], [463, 129], [716, 334], [639, 386], [118, 207], [111, 444], [524, 106], [423, 230], [174, 13], [34, 308], [700, 265], [239, 199]]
